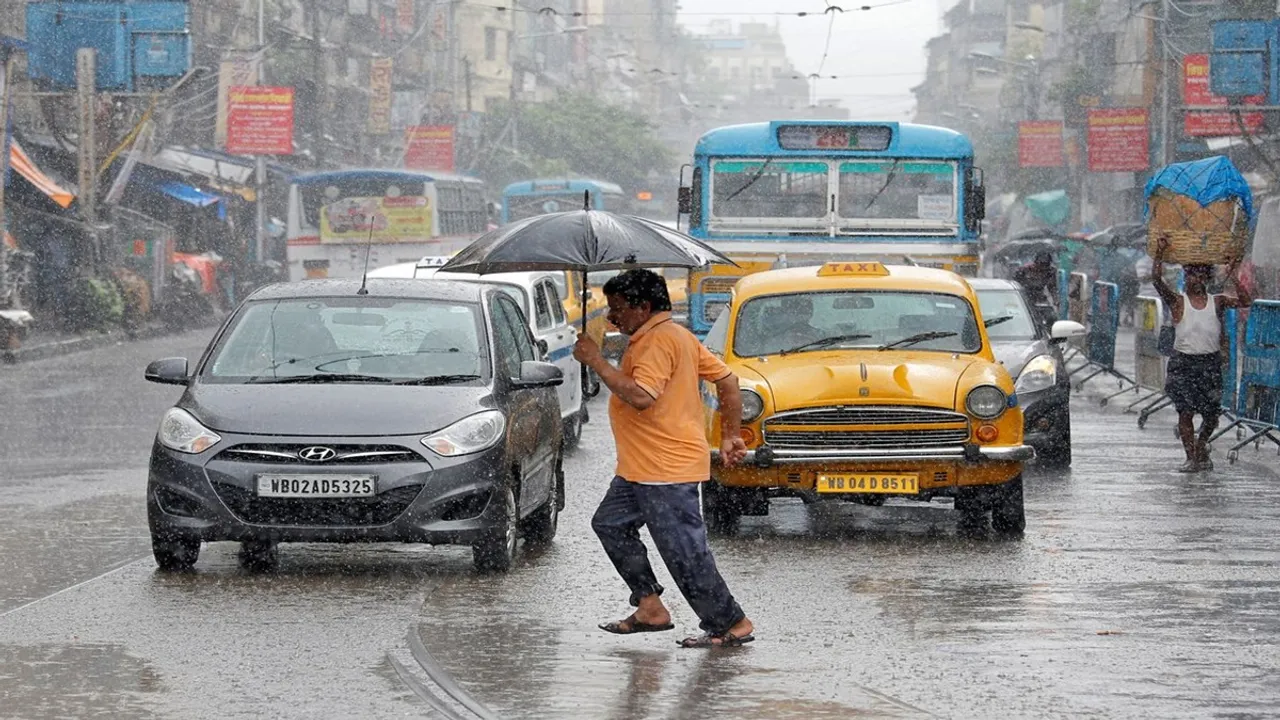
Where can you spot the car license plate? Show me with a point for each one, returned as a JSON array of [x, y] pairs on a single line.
[[316, 486], [869, 483]]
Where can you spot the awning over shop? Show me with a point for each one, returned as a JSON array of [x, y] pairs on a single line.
[[187, 194], [21, 162]]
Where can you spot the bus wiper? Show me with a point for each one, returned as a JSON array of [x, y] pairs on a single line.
[[825, 342], [893, 170], [438, 380], [919, 338], [750, 182], [323, 377], [996, 320]]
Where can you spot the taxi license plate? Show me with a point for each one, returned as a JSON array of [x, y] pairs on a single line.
[[316, 486], [869, 483]]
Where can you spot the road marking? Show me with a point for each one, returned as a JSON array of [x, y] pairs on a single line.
[[115, 569]]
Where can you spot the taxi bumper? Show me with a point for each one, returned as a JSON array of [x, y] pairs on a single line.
[[768, 457]]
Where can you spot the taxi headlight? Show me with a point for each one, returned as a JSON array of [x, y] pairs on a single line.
[[1038, 374], [182, 432], [986, 402], [470, 434], [752, 405]]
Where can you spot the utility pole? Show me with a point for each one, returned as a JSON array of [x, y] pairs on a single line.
[[260, 169], [1163, 35], [5, 94], [317, 72], [86, 77]]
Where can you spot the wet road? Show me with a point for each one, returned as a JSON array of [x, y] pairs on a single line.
[[1136, 592]]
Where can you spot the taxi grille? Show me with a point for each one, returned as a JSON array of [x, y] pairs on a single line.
[[866, 428], [308, 512]]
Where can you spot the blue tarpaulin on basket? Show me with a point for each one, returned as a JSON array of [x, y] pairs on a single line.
[[1205, 181]]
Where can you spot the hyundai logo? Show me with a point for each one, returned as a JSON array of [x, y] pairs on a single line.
[[317, 453]]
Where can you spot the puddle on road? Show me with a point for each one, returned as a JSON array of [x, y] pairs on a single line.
[[81, 681]]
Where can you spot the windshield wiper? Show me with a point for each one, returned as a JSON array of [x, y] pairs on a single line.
[[996, 320], [893, 171], [323, 377], [750, 182], [919, 338], [438, 380], [825, 342]]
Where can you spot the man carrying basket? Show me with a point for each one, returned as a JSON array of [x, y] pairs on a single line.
[[1193, 379]]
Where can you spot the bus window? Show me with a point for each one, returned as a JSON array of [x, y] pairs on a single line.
[[898, 190], [461, 208], [768, 189]]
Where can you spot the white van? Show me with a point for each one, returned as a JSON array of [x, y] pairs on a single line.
[[538, 296]]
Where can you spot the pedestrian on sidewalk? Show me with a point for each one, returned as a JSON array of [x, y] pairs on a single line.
[[656, 414], [1193, 378]]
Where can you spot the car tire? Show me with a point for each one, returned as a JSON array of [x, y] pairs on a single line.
[[259, 555], [721, 510], [572, 434], [1008, 515], [971, 508], [539, 528], [495, 551], [1060, 454], [175, 553], [590, 384]]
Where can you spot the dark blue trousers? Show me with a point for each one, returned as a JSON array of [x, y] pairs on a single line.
[[674, 518]]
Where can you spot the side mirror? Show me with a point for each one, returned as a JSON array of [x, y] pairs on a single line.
[[536, 374], [169, 371], [684, 200], [1066, 329], [543, 347]]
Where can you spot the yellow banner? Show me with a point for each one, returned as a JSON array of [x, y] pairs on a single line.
[[389, 219], [380, 70]]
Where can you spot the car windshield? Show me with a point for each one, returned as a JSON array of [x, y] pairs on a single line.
[[1004, 303], [815, 321], [351, 339]]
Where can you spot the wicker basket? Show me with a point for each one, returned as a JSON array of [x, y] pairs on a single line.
[[1214, 234]]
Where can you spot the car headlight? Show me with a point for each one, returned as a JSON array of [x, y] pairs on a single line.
[[752, 405], [986, 402], [1038, 374], [470, 434], [182, 432]]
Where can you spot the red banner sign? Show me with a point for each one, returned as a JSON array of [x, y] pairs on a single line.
[[1040, 143], [1195, 91], [260, 120], [429, 147], [1118, 140]]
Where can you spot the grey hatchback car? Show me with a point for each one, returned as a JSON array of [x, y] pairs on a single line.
[[403, 411]]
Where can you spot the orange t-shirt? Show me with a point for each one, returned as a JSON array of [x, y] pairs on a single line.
[[667, 442]]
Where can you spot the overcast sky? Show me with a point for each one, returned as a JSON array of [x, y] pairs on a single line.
[[878, 54]]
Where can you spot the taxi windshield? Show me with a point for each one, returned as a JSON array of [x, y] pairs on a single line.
[[352, 340], [812, 321]]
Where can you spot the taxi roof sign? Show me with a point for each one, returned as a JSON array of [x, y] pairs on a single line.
[[433, 261], [865, 269]]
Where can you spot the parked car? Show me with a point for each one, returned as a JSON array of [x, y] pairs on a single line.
[[538, 295], [1028, 343], [862, 381], [404, 411]]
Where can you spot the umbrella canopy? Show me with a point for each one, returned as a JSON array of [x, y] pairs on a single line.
[[582, 241]]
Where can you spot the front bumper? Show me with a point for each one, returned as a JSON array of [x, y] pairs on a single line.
[[420, 499], [768, 457]]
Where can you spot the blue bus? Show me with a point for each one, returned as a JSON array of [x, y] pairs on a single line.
[[804, 192], [527, 198], [394, 215]]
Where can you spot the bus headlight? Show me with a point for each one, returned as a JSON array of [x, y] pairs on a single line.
[[752, 405], [986, 402]]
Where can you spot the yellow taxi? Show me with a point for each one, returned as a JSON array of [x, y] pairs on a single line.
[[862, 382]]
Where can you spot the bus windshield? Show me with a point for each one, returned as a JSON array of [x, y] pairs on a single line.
[[898, 190], [769, 189], [317, 196], [520, 207]]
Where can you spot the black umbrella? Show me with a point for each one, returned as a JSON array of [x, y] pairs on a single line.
[[582, 241]]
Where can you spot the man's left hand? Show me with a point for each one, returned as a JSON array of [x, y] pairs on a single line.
[[733, 450], [587, 352]]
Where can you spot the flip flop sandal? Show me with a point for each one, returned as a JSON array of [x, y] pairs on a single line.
[[709, 640], [631, 626]]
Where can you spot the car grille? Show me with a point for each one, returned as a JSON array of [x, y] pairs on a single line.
[[342, 512], [866, 428], [343, 454]]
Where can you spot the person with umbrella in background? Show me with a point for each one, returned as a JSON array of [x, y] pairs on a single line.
[[657, 418], [1040, 278]]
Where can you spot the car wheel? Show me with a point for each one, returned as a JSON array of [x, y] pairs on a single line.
[[973, 511], [721, 510], [1008, 516], [1059, 456], [572, 431], [259, 555], [540, 527], [495, 551], [590, 384], [174, 553]]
